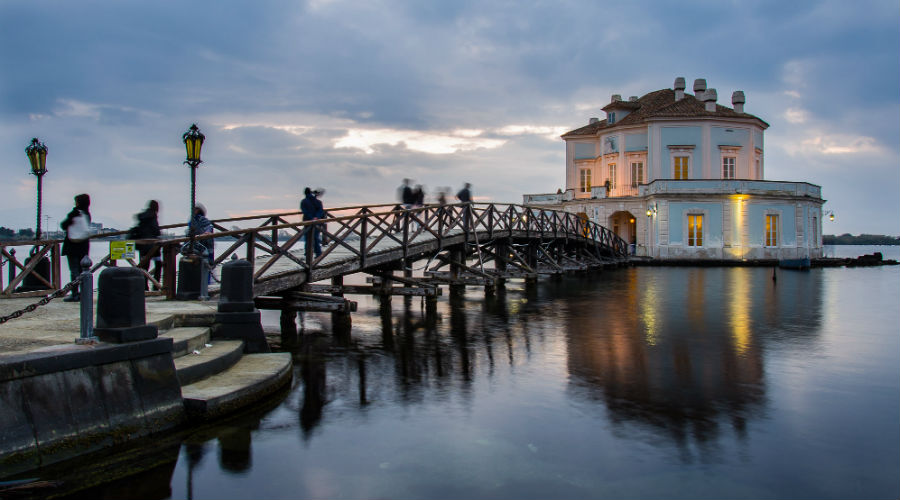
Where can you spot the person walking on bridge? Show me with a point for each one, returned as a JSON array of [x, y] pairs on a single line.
[[312, 209], [465, 196]]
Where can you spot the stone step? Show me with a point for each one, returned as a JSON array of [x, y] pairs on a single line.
[[219, 356], [187, 339], [249, 380]]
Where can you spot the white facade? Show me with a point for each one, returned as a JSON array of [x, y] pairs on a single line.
[[680, 176]]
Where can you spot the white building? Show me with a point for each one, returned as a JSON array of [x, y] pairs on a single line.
[[682, 177]]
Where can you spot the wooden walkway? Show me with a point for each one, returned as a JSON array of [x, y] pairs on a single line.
[[466, 243]]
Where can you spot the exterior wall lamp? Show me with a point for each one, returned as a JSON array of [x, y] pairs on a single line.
[[830, 214], [651, 209], [37, 155]]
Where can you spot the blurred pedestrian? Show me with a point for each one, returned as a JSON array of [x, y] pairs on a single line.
[[200, 225], [407, 197], [312, 210], [419, 196], [465, 195], [77, 245], [147, 228]]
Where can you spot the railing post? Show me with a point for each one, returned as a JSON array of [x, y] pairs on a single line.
[[491, 220], [405, 235], [309, 238], [363, 240], [441, 216], [251, 248], [55, 259], [87, 303], [12, 266], [170, 253]]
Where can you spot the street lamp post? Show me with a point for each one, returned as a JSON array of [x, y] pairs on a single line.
[[193, 142], [37, 156], [192, 269]]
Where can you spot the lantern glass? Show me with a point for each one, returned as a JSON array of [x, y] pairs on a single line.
[[37, 156], [193, 142]]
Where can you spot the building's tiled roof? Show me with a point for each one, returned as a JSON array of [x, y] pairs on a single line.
[[661, 104]]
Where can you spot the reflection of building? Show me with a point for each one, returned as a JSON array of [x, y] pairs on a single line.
[[681, 176], [687, 365]]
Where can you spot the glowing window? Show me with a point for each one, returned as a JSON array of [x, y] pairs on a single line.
[[585, 185], [771, 230], [637, 173], [612, 175], [681, 167], [695, 231]]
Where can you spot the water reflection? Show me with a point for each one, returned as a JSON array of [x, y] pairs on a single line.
[[680, 352], [557, 389]]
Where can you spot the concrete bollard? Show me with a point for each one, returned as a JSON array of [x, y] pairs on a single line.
[[236, 290], [121, 312], [237, 317], [193, 277]]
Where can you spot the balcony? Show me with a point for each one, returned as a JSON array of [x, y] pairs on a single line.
[[735, 186]]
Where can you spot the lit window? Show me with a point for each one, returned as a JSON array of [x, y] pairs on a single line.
[[728, 167], [771, 230], [637, 173], [695, 231], [585, 180], [681, 167], [612, 175]]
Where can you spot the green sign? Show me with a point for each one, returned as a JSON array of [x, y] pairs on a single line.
[[122, 249]]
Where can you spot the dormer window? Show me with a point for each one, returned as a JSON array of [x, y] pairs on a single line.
[[611, 118]]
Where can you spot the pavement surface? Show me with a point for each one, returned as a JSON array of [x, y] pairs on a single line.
[[59, 323]]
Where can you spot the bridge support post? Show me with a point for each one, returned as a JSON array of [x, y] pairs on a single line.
[[341, 322], [289, 328], [457, 259]]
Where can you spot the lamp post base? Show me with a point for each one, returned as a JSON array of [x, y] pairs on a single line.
[[193, 278]]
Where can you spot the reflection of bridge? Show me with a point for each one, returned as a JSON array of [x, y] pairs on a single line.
[[464, 244]]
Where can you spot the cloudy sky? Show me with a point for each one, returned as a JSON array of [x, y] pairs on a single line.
[[354, 96]]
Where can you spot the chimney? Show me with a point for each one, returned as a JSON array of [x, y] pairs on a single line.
[[679, 88], [633, 98], [593, 121], [738, 100], [699, 87], [616, 98], [709, 99]]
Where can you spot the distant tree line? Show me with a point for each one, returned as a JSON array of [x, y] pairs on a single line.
[[11, 234], [863, 239]]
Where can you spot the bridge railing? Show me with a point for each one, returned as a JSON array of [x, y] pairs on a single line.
[[361, 231]]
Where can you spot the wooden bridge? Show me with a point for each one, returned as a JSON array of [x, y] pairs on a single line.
[[461, 244]]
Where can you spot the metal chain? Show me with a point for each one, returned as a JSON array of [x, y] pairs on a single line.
[[46, 300]]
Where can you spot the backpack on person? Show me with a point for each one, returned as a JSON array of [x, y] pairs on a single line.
[[78, 229]]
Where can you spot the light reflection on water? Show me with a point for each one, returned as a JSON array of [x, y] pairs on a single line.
[[631, 383]]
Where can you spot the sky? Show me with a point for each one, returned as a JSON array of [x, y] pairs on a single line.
[[354, 96]]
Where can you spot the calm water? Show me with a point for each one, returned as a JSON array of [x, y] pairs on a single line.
[[631, 383]]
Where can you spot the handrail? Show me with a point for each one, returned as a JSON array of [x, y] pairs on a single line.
[[371, 227]]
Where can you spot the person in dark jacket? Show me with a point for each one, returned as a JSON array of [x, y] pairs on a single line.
[[148, 228], [199, 224], [76, 247], [465, 194], [407, 196], [313, 210]]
